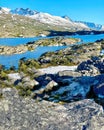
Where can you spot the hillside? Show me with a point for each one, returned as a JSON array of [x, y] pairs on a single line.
[[21, 26], [27, 23]]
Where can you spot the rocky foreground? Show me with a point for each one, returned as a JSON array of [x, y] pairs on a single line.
[[71, 84], [36, 98], [17, 113]]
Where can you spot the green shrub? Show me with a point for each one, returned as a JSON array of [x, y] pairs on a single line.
[[1, 95], [22, 91], [3, 75]]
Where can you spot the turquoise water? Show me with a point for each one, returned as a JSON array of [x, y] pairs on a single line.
[[16, 41], [89, 38], [13, 60]]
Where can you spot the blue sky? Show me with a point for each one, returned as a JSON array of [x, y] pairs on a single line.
[[84, 10]]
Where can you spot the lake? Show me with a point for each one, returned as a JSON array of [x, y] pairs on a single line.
[[13, 60], [89, 38], [19, 41]]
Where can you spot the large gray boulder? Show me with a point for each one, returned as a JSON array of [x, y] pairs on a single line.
[[18, 113], [74, 91], [27, 82]]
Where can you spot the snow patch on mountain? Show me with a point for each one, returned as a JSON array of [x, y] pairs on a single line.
[[49, 19], [4, 10], [56, 20]]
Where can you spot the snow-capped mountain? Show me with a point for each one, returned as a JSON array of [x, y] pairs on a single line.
[[50, 19], [46, 18], [92, 26], [4, 10]]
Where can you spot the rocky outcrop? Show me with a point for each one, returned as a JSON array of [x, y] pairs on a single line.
[[67, 85], [9, 50], [72, 55], [92, 67], [14, 77], [27, 82], [18, 113], [57, 41], [22, 80], [30, 46]]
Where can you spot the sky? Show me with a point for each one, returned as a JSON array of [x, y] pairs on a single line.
[[80, 10]]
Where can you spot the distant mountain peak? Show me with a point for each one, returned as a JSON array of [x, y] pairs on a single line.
[[92, 25], [22, 11], [67, 18]]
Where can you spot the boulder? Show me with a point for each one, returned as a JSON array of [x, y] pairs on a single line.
[[31, 84], [69, 73], [92, 67], [74, 91], [52, 85], [26, 79], [28, 114], [14, 78], [27, 82]]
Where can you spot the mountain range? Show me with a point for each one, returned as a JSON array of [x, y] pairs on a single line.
[[92, 25], [49, 19], [64, 23]]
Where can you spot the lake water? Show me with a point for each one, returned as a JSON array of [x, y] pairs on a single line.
[[89, 38], [18, 41], [13, 60]]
